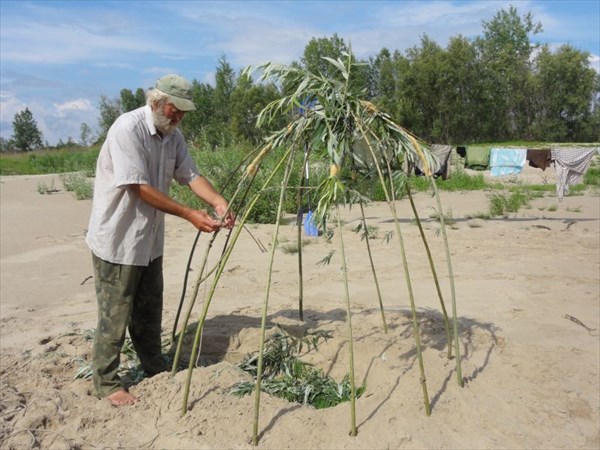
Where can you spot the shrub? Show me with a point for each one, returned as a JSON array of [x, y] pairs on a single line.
[[77, 183], [43, 188], [502, 203], [592, 176], [218, 166]]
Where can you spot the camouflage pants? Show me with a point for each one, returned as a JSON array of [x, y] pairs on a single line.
[[129, 297]]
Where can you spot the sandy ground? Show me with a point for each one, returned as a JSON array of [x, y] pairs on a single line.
[[527, 291]]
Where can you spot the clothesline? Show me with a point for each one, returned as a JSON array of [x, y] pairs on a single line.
[[571, 163]]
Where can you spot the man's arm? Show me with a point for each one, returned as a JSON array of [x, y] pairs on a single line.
[[200, 219]]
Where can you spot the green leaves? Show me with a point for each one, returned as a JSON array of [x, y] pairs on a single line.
[[27, 136], [286, 376], [330, 115]]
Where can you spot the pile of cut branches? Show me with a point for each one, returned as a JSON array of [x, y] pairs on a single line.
[[288, 377]]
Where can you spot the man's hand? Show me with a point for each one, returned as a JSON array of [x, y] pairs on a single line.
[[203, 221], [226, 217], [206, 192], [200, 219]]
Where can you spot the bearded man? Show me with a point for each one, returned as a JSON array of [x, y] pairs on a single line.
[[143, 152]]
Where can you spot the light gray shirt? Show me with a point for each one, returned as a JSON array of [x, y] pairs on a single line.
[[124, 229]]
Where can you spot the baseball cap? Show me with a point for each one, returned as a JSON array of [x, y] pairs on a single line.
[[179, 91]]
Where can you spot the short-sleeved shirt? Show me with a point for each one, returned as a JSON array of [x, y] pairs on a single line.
[[123, 229]]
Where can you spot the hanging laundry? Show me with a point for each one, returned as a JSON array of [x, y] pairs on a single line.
[[477, 158], [441, 166], [540, 158], [570, 164], [507, 161]]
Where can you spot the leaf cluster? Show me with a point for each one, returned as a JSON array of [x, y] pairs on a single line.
[[286, 376], [337, 126]]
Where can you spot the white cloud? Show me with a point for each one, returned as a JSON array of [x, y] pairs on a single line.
[[9, 106], [159, 70], [81, 104], [64, 120], [56, 51], [113, 65], [259, 43], [58, 121], [54, 35]]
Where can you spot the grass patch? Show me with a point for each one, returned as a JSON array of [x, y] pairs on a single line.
[[502, 202], [458, 181], [577, 209], [448, 219], [291, 248], [592, 176], [78, 184], [577, 190], [50, 161], [474, 225]]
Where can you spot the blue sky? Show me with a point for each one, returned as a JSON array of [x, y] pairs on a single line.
[[58, 57]]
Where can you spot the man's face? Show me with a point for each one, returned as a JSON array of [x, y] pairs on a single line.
[[172, 113], [167, 117]]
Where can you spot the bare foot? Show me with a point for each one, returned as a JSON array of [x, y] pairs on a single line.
[[122, 397]]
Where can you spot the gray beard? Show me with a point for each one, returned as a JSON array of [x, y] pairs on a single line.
[[162, 123]]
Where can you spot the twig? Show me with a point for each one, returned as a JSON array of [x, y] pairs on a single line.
[[151, 441], [26, 430], [261, 246], [13, 411], [580, 323]]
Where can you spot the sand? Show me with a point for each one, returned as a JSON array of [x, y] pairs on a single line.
[[527, 291]]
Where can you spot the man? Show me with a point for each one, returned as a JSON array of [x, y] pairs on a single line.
[[143, 152]]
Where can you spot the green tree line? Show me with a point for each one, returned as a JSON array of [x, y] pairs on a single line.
[[500, 86]]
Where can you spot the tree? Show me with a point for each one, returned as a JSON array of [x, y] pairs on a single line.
[[26, 136], [6, 145], [461, 103], [211, 121], [110, 110], [86, 134], [312, 58], [195, 122], [421, 89], [565, 85], [224, 86], [385, 74], [131, 101], [334, 47], [505, 52], [247, 101]]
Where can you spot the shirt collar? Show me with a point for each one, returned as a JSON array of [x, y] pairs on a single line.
[[152, 127], [150, 120]]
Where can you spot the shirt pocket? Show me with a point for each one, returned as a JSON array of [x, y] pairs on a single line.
[[169, 172]]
